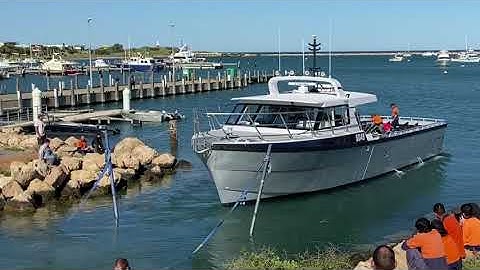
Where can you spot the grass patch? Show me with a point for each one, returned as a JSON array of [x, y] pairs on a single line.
[[268, 258], [471, 263]]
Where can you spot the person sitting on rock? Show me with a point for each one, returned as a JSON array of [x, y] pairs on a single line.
[[121, 264], [46, 154], [425, 248], [451, 224], [452, 252], [82, 146], [383, 258], [471, 228], [97, 144]]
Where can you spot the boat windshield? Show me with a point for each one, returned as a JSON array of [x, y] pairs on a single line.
[[292, 117]]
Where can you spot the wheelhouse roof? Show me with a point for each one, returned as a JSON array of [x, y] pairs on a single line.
[[333, 96]]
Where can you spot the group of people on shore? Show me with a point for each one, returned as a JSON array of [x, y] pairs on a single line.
[[46, 154], [441, 243]]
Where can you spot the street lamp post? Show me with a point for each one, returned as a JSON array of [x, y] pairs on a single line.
[[90, 83]]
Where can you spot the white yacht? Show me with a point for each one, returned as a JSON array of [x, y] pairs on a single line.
[[100, 64], [57, 65], [184, 55], [428, 54], [443, 57], [398, 57], [469, 56], [318, 140]]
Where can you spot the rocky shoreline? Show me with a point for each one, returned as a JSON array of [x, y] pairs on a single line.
[[31, 185]]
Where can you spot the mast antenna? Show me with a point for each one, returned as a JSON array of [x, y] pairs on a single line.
[[330, 49], [303, 56], [279, 55], [314, 47]]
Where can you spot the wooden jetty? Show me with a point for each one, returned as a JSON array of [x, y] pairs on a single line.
[[74, 96]]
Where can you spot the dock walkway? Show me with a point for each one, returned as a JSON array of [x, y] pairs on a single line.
[[74, 96]]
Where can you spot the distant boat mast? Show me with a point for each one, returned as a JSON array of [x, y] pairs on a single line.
[[303, 57], [279, 55]]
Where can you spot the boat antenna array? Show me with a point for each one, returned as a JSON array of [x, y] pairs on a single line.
[[314, 47]]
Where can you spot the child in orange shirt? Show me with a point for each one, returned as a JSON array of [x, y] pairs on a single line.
[[429, 242], [452, 253], [471, 228]]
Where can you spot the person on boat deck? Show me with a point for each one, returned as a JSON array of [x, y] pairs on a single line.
[[452, 251], [425, 248], [451, 224], [377, 123], [82, 146], [395, 115], [383, 258], [471, 228], [46, 154], [97, 144]]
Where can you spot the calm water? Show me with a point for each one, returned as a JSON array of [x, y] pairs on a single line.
[[161, 224]]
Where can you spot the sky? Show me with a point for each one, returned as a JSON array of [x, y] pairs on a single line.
[[231, 25]]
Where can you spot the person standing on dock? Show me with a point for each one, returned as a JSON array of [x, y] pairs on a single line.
[[451, 224], [39, 125]]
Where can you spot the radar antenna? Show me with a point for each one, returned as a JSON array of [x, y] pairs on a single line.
[[314, 47]]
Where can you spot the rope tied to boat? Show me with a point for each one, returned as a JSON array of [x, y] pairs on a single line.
[[265, 165]]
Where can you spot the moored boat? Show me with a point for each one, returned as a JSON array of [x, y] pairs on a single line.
[[318, 140]]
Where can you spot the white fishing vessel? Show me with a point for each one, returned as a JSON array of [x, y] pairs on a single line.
[[398, 57], [443, 57], [469, 56], [185, 58], [141, 63], [57, 65], [317, 137]]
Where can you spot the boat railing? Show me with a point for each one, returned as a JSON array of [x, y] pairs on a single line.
[[415, 123], [304, 122]]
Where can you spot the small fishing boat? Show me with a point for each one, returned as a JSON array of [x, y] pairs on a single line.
[[398, 57], [100, 64], [153, 116], [143, 64], [318, 140]]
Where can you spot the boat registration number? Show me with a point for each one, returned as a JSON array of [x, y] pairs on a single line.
[[360, 137]]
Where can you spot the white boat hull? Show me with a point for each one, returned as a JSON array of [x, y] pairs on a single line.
[[307, 171]]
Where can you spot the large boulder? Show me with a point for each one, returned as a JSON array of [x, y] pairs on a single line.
[[153, 173], [164, 161], [57, 178], [2, 202], [144, 154], [11, 189], [14, 140], [66, 150], [84, 178], [22, 202], [55, 143], [23, 173], [127, 145], [93, 162], [125, 160], [5, 180], [41, 168], [12, 130], [41, 188], [71, 191], [104, 187], [126, 174], [123, 154], [71, 141], [71, 163], [29, 142]]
